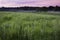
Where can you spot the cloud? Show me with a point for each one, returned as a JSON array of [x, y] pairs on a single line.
[[15, 3]]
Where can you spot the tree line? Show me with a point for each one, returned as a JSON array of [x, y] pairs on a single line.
[[50, 8]]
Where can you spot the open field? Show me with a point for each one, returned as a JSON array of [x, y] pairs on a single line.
[[29, 26]]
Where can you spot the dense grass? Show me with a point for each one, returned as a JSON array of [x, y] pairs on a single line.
[[29, 26]]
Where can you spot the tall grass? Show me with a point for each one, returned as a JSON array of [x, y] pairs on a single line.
[[29, 26]]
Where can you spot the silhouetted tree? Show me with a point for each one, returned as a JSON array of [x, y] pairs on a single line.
[[51, 8], [57, 8], [26, 8]]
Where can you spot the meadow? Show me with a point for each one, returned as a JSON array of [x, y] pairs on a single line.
[[29, 26]]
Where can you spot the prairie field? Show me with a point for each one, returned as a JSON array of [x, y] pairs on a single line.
[[29, 26]]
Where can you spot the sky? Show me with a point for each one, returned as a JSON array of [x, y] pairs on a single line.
[[34, 3]]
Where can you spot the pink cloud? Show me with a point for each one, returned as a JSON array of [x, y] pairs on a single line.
[[10, 3]]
